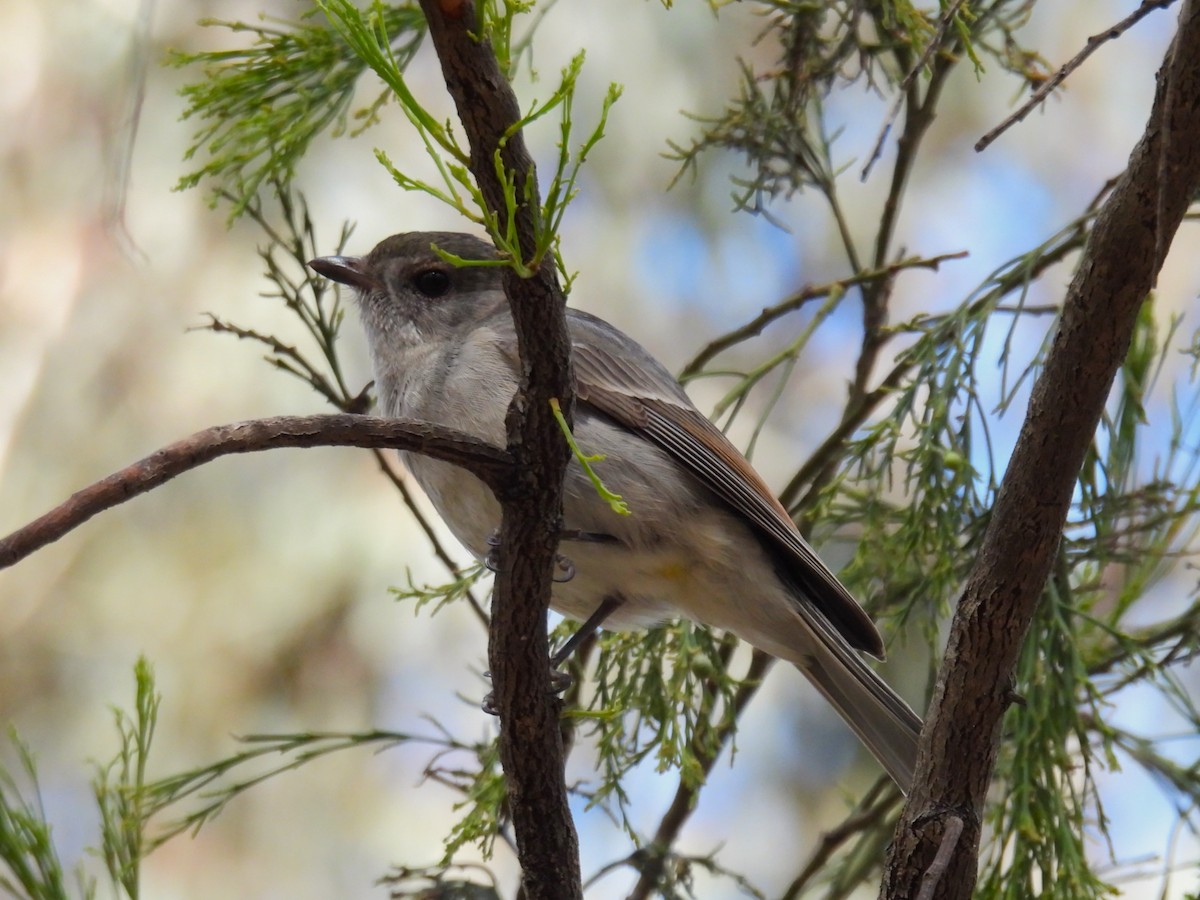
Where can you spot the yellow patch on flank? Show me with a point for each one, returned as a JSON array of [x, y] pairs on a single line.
[[673, 571]]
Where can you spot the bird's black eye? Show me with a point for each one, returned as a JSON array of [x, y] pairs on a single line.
[[431, 282]]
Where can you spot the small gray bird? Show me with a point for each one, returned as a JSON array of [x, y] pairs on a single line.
[[706, 539]]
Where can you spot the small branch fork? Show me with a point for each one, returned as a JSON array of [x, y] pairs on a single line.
[[902, 93], [805, 295], [490, 464]]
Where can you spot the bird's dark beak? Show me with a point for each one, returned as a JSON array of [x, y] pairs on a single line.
[[349, 270]]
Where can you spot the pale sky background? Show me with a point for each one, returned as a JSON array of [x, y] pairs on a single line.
[[257, 586]]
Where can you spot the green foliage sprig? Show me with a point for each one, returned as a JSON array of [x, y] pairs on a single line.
[[614, 500], [367, 35], [659, 694], [120, 786], [27, 851], [262, 106]]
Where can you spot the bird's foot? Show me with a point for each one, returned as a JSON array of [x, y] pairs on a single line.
[[565, 569], [559, 682], [490, 562]]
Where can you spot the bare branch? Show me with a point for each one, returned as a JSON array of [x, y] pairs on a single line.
[[950, 835], [755, 326], [1093, 44], [490, 464]]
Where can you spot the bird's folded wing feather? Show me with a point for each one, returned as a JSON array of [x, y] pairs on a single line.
[[668, 419], [617, 377]]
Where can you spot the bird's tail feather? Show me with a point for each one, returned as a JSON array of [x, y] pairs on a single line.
[[876, 713]]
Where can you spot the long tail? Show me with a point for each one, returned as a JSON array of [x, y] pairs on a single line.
[[877, 714]]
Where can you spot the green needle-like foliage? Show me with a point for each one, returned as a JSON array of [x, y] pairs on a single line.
[[261, 106], [660, 695], [29, 862], [120, 787]]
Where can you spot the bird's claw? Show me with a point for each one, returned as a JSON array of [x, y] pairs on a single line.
[[490, 562], [559, 682], [566, 569]]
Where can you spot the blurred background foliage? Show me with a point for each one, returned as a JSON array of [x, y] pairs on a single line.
[[258, 586]]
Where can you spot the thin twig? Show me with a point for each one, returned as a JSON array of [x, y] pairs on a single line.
[[873, 807], [917, 119], [877, 294], [490, 464], [1093, 44], [439, 550], [755, 326], [953, 831], [1181, 627], [932, 47]]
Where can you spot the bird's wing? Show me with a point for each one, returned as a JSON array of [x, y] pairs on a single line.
[[616, 376], [620, 379]]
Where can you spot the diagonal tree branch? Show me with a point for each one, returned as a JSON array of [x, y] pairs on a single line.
[[1117, 271], [490, 464], [531, 749], [769, 315], [1094, 43]]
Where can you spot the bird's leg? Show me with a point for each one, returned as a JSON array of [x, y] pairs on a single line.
[[606, 608], [559, 680]]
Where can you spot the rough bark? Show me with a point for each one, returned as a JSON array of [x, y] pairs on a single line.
[[1118, 269], [531, 750]]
